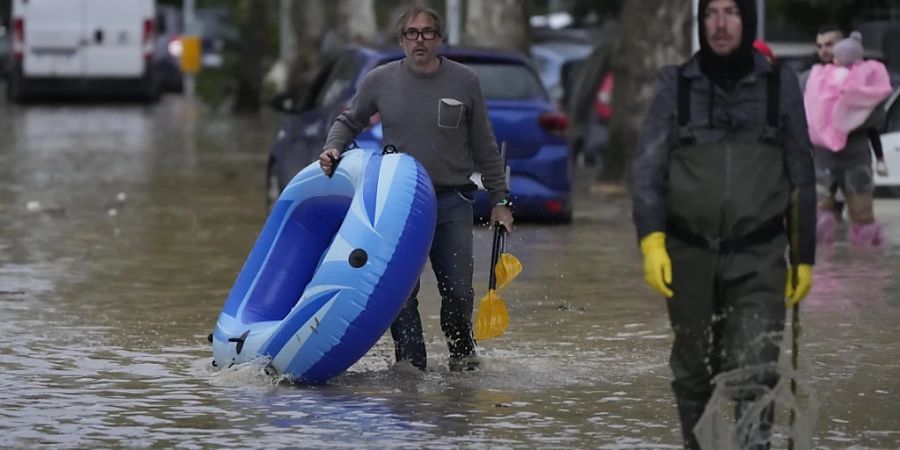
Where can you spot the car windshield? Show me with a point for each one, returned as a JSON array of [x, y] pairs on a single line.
[[507, 81]]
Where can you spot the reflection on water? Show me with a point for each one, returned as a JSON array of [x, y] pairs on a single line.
[[122, 230]]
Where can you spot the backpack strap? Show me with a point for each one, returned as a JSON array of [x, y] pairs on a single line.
[[773, 105], [683, 99]]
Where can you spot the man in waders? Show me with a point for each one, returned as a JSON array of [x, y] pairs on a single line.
[[722, 171]]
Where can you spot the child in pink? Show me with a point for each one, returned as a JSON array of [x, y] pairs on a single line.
[[841, 101], [840, 97]]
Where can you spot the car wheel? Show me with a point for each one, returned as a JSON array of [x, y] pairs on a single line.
[[15, 90]]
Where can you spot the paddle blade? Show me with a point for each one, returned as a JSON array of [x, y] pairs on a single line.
[[508, 267], [492, 319]]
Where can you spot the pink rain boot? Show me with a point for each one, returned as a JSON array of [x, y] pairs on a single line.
[[826, 227], [866, 234]]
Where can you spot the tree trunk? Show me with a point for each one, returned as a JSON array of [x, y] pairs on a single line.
[[497, 24], [308, 19], [250, 66], [356, 21], [653, 34]]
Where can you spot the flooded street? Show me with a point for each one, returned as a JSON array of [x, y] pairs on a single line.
[[123, 227]]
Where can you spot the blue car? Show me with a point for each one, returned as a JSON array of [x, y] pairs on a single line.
[[524, 119]]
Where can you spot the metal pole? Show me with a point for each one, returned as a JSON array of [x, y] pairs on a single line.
[[190, 82], [285, 32], [287, 41], [761, 22], [795, 350], [454, 20]]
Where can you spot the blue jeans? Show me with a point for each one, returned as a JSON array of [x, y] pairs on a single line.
[[451, 259]]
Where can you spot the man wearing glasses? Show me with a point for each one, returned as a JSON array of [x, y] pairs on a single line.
[[433, 109]]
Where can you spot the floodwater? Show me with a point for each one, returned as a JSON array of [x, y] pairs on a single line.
[[122, 228]]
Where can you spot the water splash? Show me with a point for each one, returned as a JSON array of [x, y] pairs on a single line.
[[254, 373], [720, 429]]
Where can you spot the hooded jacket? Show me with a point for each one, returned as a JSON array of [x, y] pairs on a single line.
[[719, 115]]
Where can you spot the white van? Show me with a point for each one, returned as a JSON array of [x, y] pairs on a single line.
[[72, 46]]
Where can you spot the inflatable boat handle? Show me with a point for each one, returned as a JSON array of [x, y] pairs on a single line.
[[334, 164], [240, 341]]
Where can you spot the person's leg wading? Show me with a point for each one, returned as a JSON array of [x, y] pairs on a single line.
[[451, 259], [409, 343], [864, 230], [826, 220], [691, 313], [752, 333], [826, 216]]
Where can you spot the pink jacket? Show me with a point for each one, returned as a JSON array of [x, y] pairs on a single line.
[[840, 99]]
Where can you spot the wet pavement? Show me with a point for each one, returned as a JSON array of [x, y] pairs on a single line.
[[122, 228]]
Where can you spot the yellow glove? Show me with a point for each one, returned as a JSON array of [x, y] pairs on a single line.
[[657, 265], [795, 292]]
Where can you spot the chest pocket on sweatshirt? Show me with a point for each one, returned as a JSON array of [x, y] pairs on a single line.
[[450, 112]]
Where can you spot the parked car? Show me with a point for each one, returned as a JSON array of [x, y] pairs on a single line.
[[568, 60], [558, 65], [217, 36], [73, 46], [890, 141], [521, 112], [596, 133]]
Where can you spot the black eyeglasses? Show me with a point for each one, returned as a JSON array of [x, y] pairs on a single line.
[[411, 34]]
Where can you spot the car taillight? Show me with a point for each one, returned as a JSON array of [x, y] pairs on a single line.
[[18, 38], [603, 102], [554, 122], [147, 38], [553, 206]]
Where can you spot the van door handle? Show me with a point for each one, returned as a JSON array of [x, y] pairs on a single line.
[[98, 36]]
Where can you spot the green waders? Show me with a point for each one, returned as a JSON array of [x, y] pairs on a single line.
[[726, 204]]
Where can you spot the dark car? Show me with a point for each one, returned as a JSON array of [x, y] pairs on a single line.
[[558, 64], [522, 114], [566, 60]]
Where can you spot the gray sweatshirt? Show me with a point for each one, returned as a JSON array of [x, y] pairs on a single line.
[[439, 118]]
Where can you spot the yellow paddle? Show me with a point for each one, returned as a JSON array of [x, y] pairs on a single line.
[[492, 318]]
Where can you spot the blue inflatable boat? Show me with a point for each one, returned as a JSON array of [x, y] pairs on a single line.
[[332, 267]]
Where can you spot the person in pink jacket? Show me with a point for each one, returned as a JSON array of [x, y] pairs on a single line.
[[844, 111]]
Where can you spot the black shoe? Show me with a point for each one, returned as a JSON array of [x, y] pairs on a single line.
[[418, 363], [464, 363]]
